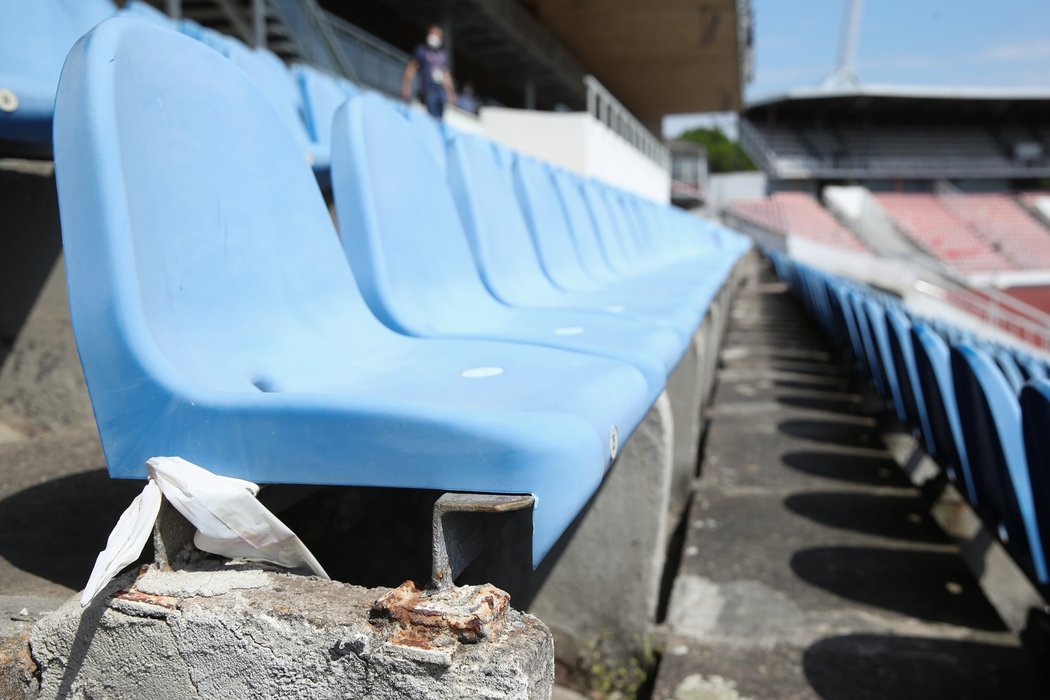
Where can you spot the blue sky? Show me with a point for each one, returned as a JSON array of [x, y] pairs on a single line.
[[971, 43]]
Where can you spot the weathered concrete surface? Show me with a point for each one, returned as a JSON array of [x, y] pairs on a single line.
[[608, 577], [41, 383], [246, 633], [812, 567]]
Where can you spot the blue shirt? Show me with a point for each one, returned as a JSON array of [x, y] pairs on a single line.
[[432, 68]]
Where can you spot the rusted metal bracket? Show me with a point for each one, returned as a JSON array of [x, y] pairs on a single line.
[[463, 524]]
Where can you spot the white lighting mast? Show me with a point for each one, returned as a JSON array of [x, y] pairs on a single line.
[[845, 75]]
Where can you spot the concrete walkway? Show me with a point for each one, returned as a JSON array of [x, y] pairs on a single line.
[[810, 566]]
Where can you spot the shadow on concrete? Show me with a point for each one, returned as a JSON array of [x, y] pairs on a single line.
[[891, 516], [806, 384], [863, 667], [816, 403], [921, 583], [832, 432], [854, 469], [55, 529]]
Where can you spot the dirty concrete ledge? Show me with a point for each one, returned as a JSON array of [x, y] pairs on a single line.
[[227, 631]]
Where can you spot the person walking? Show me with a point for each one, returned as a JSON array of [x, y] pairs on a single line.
[[430, 63]]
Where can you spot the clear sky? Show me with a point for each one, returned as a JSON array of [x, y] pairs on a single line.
[[971, 43]]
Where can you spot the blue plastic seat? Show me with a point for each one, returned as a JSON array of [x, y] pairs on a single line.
[[870, 350], [432, 131], [934, 371], [898, 329], [880, 336], [321, 96], [148, 13], [1008, 366], [507, 258], [699, 283], [403, 237], [1035, 419], [990, 416], [281, 88], [217, 319], [35, 36]]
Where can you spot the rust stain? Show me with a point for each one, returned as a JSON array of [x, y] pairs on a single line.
[[161, 601], [426, 619]]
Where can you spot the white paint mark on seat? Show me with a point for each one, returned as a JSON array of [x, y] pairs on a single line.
[[481, 372], [568, 330]]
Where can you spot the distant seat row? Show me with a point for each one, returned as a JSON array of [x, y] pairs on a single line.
[[981, 409], [36, 36], [482, 321]]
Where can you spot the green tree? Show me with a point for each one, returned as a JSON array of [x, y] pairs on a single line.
[[723, 154]]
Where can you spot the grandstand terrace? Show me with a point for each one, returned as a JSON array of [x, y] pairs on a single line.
[[367, 378], [798, 214], [900, 135]]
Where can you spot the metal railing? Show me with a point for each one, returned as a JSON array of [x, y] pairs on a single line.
[[609, 111], [995, 308], [332, 43]]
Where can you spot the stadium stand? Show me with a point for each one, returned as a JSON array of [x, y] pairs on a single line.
[[981, 425], [925, 219], [1003, 224], [796, 213], [894, 133], [237, 335]]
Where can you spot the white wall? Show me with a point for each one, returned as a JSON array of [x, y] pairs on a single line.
[[858, 209], [580, 143], [725, 188]]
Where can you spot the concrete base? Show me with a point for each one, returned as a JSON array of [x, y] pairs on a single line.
[[608, 577], [1006, 586], [41, 383], [685, 390], [224, 631]]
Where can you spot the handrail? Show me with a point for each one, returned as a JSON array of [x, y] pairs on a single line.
[[998, 309], [603, 106]]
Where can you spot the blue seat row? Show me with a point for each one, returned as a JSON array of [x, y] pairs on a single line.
[[981, 409], [36, 36], [219, 315]]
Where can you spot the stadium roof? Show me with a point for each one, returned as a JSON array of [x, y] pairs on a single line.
[[909, 102]]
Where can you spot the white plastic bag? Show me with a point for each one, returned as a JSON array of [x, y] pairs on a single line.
[[229, 520]]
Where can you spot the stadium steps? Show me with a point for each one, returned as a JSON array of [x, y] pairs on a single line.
[[811, 566], [232, 16]]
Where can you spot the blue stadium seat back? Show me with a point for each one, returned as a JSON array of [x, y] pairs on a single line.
[[35, 36], [216, 317], [990, 416], [583, 227], [225, 44], [860, 356], [276, 81], [414, 263], [1033, 368], [612, 234], [1008, 366], [933, 367], [871, 360], [321, 95], [1035, 419], [898, 327], [548, 224], [495, 225], [507, 258], [877, 319], [432, 132], [148, 13]]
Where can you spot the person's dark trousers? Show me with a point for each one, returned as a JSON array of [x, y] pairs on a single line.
[[435, 100]]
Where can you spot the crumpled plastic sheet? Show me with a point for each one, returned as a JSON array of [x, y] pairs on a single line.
[[230, 522]]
